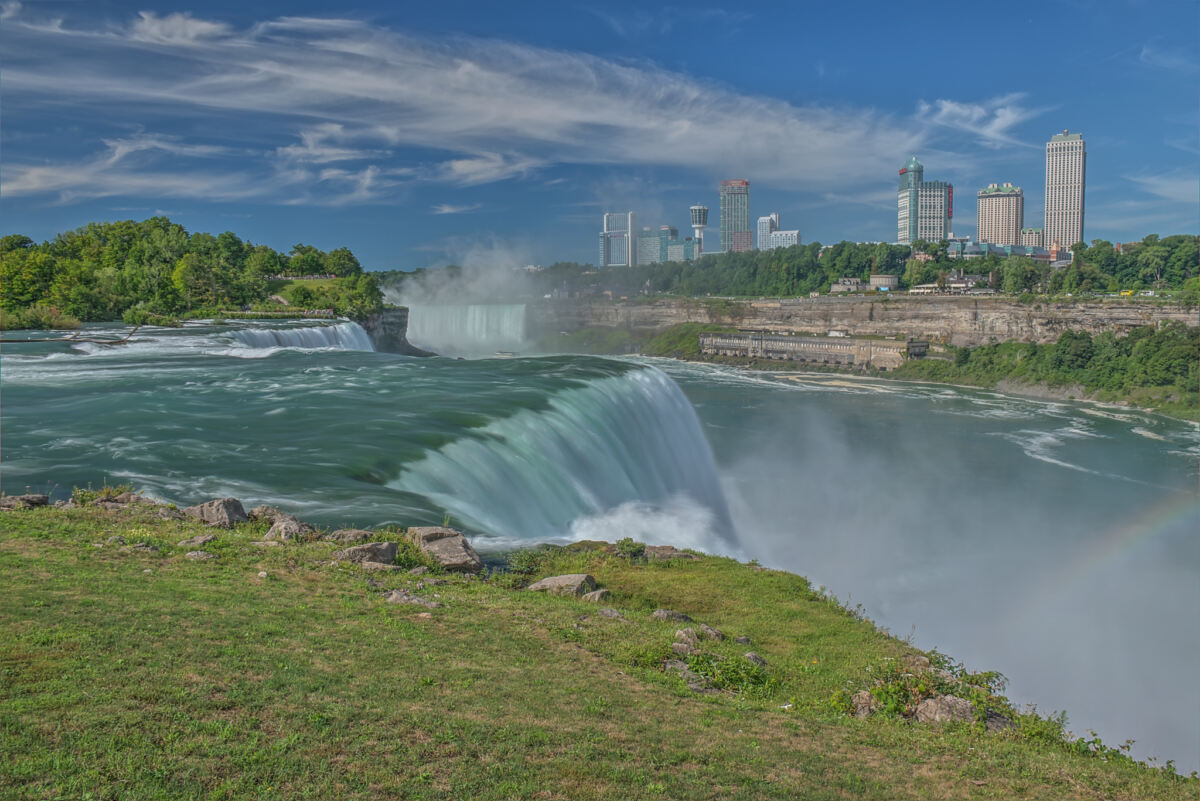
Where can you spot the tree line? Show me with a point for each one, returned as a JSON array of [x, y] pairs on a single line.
[[134, 270]]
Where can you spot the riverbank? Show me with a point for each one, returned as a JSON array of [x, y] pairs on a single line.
[[143, 662]]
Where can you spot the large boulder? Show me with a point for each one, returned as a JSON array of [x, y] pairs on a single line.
[[288, 528], [448, 547], [944, 709], [222, 512], [349, 536], [23, 501], [384, 552], [596, 596], [577, 584]]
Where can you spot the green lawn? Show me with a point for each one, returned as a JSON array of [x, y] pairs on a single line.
[[135, 675]]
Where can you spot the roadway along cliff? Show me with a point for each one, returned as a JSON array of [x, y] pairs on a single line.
[[954, 320]]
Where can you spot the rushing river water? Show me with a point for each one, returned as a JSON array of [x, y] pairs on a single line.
[[1055, 542]]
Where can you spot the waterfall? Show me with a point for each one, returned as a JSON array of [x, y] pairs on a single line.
[[613, 448], [475, 329], [342, 336]]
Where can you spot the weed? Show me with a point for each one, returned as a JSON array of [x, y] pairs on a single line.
[[737, 675]]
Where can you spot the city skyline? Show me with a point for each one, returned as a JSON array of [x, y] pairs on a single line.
[[462, 132]]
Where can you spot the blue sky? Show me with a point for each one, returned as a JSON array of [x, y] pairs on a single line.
[[422, 134]]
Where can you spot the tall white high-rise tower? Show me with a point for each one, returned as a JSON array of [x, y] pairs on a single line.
[[1066, 162]]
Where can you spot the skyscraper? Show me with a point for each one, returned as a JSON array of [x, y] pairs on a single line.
[[735, 216], [1066, 162], [767, 226], [923, 208], [618, 240], [1001, 214]]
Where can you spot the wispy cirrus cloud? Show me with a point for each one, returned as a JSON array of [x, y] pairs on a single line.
[[1169, 58], [448, 208], [1180, 186], [388, 108]]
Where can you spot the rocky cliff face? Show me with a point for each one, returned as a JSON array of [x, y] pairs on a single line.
[[388, 330], [954, 320]]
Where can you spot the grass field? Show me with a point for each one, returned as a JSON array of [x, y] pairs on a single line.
[[135, 674]]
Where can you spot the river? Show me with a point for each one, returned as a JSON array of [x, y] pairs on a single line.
[[1054, 542]]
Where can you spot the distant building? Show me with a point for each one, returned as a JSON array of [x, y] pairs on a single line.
[[736, 235], [1031, 237], [683, 250], [847, 285], [618, 241], [699, 223], [888, 282], [1066, 165], [924, 208], [652, 243], [1001, 214], [767, 226]]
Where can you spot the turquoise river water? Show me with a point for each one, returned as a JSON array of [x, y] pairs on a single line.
[[1054, 542]]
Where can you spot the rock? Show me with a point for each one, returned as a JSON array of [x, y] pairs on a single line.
[[687, 636], [755, 658], [431, 582], [287, 528], [379, 566], [266, 543], [418, 571], [63, 504], [163, 513], [997, 722], [405, 597], [199, 555], [682, 648], [369, 552], [268, 513], [596, 596], [222, 512], [197, 541], [863, 703], [448, 547], [943, 709], [711, 633], [10, 502], [742, 640], [349, 536], [613, 613], [117, 540], [133, 498], [915, 663], [664, 552], [667, 614], [576, 584], [262, 574], [695, 682]]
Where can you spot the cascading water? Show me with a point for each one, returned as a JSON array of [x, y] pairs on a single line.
[[630, 442], [343, 336], [475, 329]]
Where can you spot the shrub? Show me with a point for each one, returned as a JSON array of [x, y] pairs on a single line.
[[82, 497], [630, 549], [735, 675]]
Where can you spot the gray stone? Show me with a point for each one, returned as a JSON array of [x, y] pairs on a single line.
[[863, 703], [682, 648], [755, 658], [612, 613], [711, 633], [576, 584], [664, 552], [288, 528], [197, 541], [405, 597], [133, 498], [687, 636], [997, 722], [420, 570], [9, 502], [368, 552], [165, 513], [262, 574], [596, 596], [915, 663], [222, 512], [379, 566], [448, 547], [116, 540], [199, 555], [943, 709], [742, 640], [667, 614], [264, 513], [349, 536]]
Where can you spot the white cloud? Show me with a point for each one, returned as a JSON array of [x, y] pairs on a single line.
[[447, 208], [330, 91], [175, 29], [1180, 186], [9, 9], [1169, 59]]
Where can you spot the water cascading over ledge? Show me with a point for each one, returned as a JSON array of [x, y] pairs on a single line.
[[468, 329]]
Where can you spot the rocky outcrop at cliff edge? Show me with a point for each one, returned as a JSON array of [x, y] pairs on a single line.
[[954, 320], [448, 547], [388, 329]]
